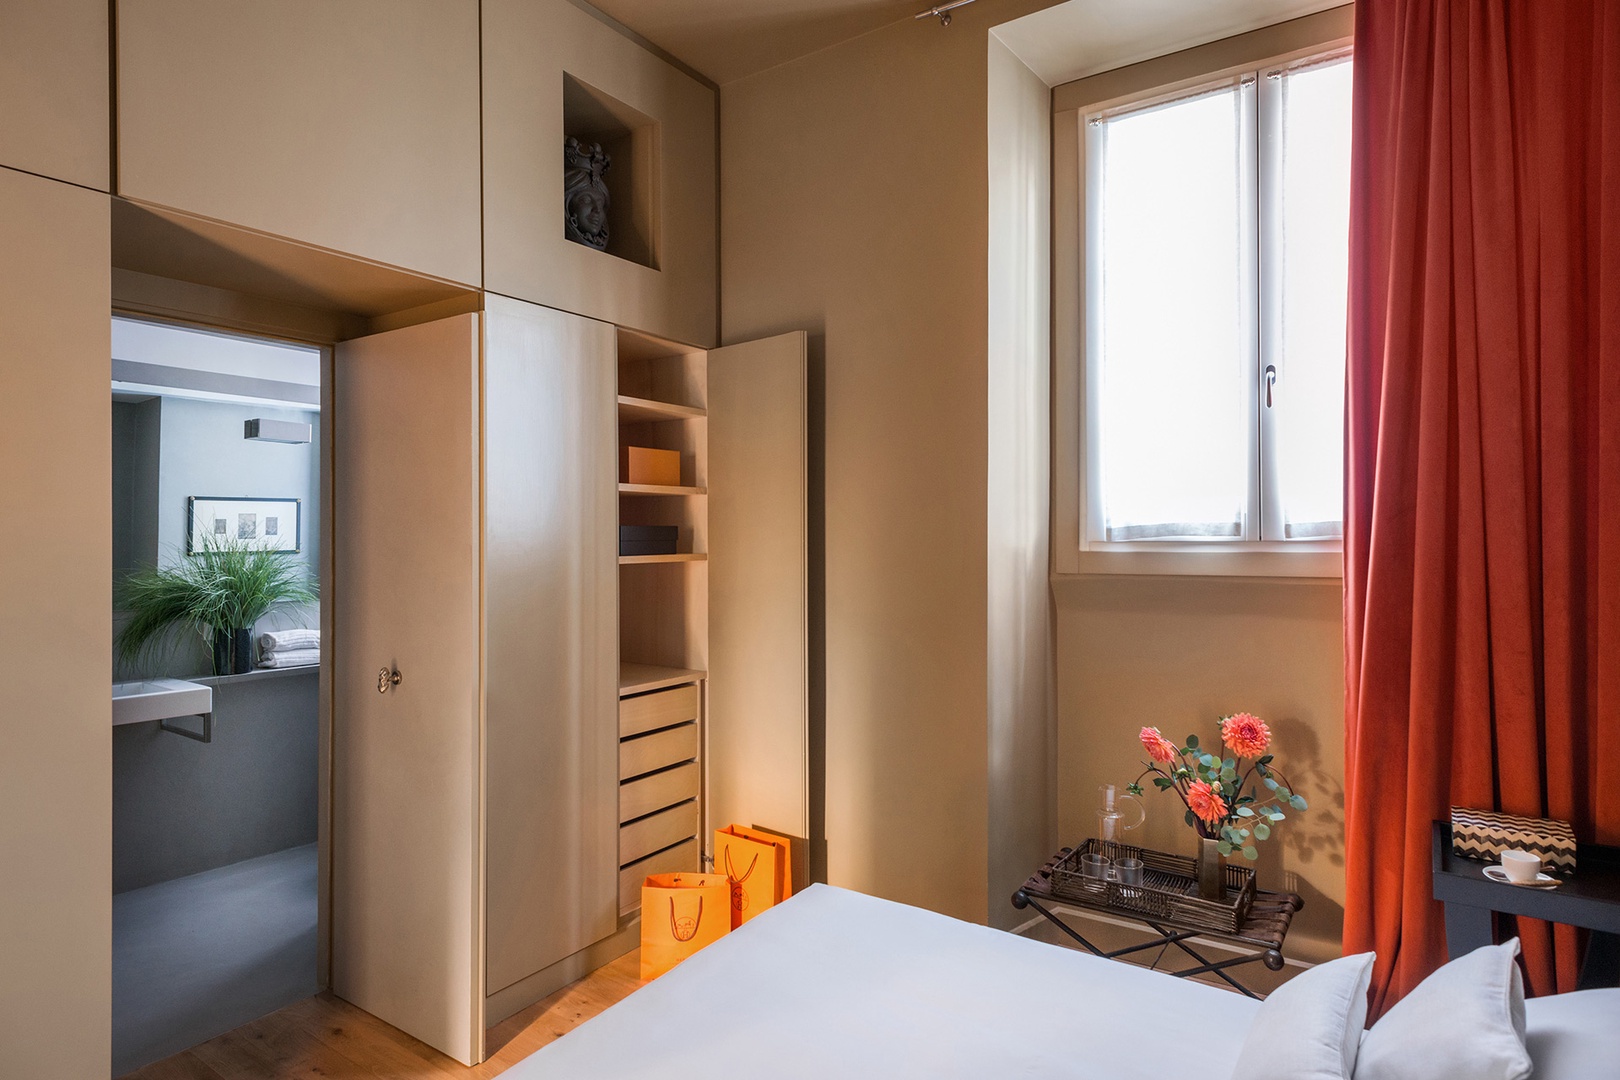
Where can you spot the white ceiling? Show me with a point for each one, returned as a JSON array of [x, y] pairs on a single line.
[[1083, 37], [167, 345], [727, 40]]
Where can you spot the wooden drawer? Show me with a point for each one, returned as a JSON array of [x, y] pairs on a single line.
[[640, 797], [663, 708], [647, 753], [641, 838], [682, 857]]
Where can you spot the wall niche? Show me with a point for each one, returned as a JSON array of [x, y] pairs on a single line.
[[631, 141]]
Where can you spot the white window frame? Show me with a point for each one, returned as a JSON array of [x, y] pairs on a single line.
[[1079, 546]]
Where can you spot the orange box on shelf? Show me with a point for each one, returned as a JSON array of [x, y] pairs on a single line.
[[644, 465]]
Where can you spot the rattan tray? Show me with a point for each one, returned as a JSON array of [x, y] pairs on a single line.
[[1169, 888]]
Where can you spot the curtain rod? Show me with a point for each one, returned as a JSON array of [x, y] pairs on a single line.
[[942, 12]]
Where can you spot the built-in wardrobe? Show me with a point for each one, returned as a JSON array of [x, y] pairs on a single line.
[[526, 723]]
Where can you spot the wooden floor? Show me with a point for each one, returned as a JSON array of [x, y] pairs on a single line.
[[328, 1038]]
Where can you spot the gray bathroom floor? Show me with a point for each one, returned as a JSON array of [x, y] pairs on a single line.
[[201, 955]]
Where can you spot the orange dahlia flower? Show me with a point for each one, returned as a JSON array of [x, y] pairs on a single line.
[[1245, 735], [1205, 802], [1158, 747]]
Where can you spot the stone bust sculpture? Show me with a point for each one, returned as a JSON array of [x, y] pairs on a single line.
[[585, 193]]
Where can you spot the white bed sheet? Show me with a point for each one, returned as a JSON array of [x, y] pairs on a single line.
[[837, 984], [1574, 1036]]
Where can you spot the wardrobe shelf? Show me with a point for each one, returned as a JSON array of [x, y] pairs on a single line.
[[634, 410], [641, 560], [639, 678], [660, 489]]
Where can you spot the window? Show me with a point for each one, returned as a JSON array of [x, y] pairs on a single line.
[[1217, 224]]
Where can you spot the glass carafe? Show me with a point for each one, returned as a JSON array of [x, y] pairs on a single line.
[[1116, 813]]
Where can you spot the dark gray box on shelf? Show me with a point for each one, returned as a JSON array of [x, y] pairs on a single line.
[[648, 539]]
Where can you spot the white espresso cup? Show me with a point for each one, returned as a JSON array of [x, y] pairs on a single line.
[[1520, 866]]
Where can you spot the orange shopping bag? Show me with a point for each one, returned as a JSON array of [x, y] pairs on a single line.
[[758, 867], [680, 913]]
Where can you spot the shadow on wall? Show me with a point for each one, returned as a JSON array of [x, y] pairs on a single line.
[[1315, 837], [1311, 843]]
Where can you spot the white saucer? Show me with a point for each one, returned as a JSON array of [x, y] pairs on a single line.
[[1543, 881]]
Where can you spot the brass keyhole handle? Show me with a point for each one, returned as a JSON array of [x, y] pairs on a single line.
[[385, 679]]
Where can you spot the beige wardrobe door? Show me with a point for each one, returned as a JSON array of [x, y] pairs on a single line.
[[551, 577], [55, 584], [405, 761], [758, 721]]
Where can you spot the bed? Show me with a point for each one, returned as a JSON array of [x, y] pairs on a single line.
[[837, 984]]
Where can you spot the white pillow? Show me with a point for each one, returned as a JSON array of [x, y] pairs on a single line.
[[1464, 1022], [1310, 1027]]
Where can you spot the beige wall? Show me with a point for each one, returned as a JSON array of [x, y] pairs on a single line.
[[1178, 652], [352, 126], [53, 89], [869, 219], [1021, 763], [853, 204], [55, 578]]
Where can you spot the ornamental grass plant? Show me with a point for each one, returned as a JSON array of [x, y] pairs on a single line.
[[225, 587]]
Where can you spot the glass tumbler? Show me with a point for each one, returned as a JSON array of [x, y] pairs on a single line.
[[1094, 866]]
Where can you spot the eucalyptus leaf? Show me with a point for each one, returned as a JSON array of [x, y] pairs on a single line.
[[1270, 783], [1262, 831], [1251, 853], [1224, 847], [1264, 759], [1244, 811], [1298, 803], [1192, 742]]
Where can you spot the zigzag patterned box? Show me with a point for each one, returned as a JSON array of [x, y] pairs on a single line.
[[1485, 834]]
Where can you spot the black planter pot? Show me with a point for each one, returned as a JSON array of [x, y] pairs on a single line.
[[233, 652]]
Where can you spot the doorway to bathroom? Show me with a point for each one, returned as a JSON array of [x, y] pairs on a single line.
[[217, 496]]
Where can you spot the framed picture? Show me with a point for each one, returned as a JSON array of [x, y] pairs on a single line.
[[272, 524]]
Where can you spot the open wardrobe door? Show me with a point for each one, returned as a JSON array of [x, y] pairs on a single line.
[[406, 714], [758, 737]]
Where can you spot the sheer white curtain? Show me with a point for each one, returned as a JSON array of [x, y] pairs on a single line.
[[1173, 335], [1315, 237]]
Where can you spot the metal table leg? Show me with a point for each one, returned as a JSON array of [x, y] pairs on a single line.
[[1021, 900]]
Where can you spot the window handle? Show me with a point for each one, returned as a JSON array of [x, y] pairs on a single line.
[[1271, 380]]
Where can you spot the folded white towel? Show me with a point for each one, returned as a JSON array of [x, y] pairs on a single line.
[[287, 640], [293, 658]]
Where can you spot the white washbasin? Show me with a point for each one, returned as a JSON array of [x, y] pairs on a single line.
[[159, 699]]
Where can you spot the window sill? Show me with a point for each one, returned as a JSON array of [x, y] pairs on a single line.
[[1318, 563]]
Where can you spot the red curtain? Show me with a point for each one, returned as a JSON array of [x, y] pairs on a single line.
[[1482, 495]]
